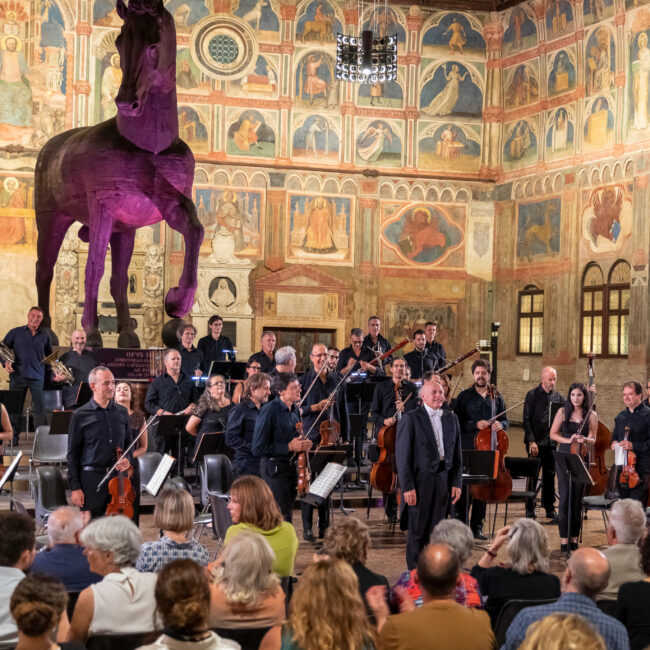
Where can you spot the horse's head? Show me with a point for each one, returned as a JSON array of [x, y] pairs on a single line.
[[147, 47]]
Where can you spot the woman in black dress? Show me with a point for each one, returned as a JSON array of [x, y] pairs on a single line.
[[569, 427]]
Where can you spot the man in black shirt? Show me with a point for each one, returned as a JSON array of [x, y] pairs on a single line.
[[31, 344], [536, 436], [191, 358], [276, 439], [636, 419], [434, 349], [171, 393], [474, 410], [214, 346], [97, 429], [80, 361], [375, 343], [419, 361], [334, 353], [646, 401], [265, 356], [315, 411], [356, 353], [241, 424]]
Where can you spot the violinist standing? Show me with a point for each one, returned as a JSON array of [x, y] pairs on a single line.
[[568, 428], [315, 401], [97, 429], [474, 409], [429, 465], [636, 416], [538, 443], [275, 440]]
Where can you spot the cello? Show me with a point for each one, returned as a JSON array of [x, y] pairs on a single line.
[[488, 439]]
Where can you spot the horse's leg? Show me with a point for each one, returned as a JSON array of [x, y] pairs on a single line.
[[182, 217], [100, 228], [52, 227], [121, 252]]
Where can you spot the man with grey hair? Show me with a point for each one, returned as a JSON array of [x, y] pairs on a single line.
[[585, 576], [285, 359], [97, 430], [64, 558], [265, 356], [624, 530], [80, 361]]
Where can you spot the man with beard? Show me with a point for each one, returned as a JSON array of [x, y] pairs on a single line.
[[314, 403], [474, 409], [434, 349], [419, 360]]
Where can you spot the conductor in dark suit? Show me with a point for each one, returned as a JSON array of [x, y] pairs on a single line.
[[429, 465]]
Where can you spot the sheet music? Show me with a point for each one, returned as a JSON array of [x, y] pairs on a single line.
[[327, 479], [160, 475], [619, 455]]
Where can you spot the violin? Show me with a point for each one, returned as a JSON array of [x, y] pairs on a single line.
[[629, 476], [304, 470], [488, 439], [122, 493], [330, 429]]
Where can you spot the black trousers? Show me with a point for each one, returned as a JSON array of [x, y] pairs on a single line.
[[243, 466], [424, 515], [307, 512], [547, 465], [640, 492], [94, 501], [477, 515], [563, 509], [280, 475], [359, 437]]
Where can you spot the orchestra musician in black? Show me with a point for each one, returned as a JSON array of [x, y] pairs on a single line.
[[192, 364], [265, 356], [375, 342], [215, 346], [277, 438], [435, 350], [80, 361], [419, 360], [319, 408]]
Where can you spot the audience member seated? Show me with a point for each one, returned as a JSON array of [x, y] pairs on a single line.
[[441, 622], [38, 605], [585, 576], [327, 610], [252, 507], [17, 542], [527, 576], [183, 604], [632, 603], [174, 515], [348, 539], [562, 632], [64, 558], [211, 413], [246, 594], [123, 602], [624, 530], [461, 539]]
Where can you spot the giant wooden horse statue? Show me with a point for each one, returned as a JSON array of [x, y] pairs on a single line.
[[122, 174]]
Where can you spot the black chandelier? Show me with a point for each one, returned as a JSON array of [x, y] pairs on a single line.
[[366, 59]]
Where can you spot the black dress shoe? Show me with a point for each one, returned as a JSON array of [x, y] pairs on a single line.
[[321, 533], [308, 535], [564, 548], [552, 515], [574, 546], [478, 534], [530, 514]]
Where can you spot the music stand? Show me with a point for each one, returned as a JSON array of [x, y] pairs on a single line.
[[60, 422], [171, 428], [84, 393], [575, 470], [211, 443], [478, 468], [553, 408], [317, 461]]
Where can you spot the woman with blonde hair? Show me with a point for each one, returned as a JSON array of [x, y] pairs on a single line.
[[526, 577], [327, 612], [246, 594], [253, 508], [211, 411], [174, 515], [562, 632]]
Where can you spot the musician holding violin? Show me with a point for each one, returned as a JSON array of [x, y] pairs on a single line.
[[324, 420], [475, 410], [574, 427], [97, 430], [277, 438], [636, 419]]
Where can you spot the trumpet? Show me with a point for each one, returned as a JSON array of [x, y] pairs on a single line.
[[7, 355], [59, 368]]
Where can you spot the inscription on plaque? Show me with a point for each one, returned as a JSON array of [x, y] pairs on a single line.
[[300, 304]]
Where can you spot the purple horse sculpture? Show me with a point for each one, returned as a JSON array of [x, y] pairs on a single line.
[[122, 174]]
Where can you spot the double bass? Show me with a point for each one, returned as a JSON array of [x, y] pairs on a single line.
[[488, 439]]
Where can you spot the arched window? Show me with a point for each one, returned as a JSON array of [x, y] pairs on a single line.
[[605, 310], [531, 320]]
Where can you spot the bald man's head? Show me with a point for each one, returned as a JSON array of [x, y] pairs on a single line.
[[587, 572], [438, 568], [549, 379]]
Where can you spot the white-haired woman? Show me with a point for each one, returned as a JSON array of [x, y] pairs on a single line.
[[246, 593], [527, 576], [123, 602]]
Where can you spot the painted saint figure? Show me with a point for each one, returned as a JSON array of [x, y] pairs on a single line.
[[319, 236], [457, 38], [560, 131], [520, 142], [448, 147], [371, 142], [246, 135], [443, 103], [641, 68], [15, 89], [317, 126], [314, 85], [111, 82]]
